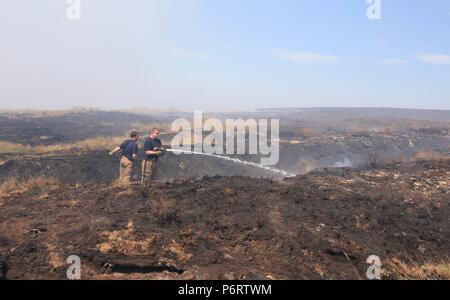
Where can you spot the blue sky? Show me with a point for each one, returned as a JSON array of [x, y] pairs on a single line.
[[224, 55]]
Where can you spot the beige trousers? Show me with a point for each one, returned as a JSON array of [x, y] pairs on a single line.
[[126, 168], [147, 170]]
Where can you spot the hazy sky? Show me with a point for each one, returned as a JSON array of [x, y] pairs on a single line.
[[224, 54]]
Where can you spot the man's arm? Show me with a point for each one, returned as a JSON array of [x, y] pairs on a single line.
[[135, 151], [150, 152], [155, 151], [114, 151]]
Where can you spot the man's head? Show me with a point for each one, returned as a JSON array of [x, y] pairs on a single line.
[[154, 133], [134, 135]]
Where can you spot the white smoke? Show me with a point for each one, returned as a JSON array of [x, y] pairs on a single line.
[[344, 164]]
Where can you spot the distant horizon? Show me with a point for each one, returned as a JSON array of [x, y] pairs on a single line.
[[148, 109]]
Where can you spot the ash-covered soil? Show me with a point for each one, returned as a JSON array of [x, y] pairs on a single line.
[[299, 155], [100, 167], [309, 139], [323, 225], [48, 128]]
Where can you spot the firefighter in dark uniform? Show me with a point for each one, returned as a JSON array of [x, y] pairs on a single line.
[[129, 156], [153, 149]]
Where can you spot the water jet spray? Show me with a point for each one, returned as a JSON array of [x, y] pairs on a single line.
[[236, 160]]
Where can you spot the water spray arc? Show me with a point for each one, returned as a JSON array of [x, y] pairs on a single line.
[[236, 160]]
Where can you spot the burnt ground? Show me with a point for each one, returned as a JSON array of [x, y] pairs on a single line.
[[309, 139], [298, 156], [318, 226], [48, 128], [100, 167]]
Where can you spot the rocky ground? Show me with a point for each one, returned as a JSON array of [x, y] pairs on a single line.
[[318, 226]]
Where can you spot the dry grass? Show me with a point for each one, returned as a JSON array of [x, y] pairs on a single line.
[[308, 132], [176, 248], [92, 144], [125, 193], [374, 160], [36, 114], [128, 242], [13, 186], [428, 156], [389, 129], [413, 270], [124, 186], [165, 210], [99, 143], [145, 129]]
